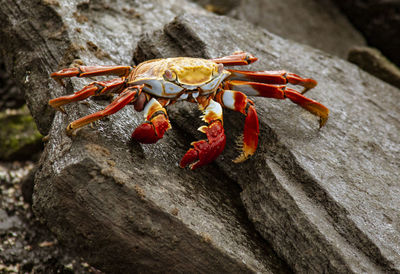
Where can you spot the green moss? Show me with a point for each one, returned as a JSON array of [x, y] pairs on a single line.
[[19, 137]]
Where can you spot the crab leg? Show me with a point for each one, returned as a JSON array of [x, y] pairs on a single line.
[[236, 100], [128, 95], [89, 71], [205, 151], [156, 124], [280, 92], [93, 89], [280, 77], [238, 58]]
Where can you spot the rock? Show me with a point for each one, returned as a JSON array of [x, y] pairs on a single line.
[[124, 207], [319, 24], [379, 21], [372, 61], [10, 95], [26, 59], [19, 137], [27, 185], [325, 198]]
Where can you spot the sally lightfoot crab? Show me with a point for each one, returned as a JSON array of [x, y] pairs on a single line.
[[153, 85]]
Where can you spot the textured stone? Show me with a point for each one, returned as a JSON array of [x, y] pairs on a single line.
[[372, 61], [10, 95], [319, 24], [326, 199], [379, 21], [124, 206]]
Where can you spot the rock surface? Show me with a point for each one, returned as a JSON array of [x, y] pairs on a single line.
[[373, 61], [107, 196], [379, 21], [10, 95], [319, 24], [325, 200], [329, 192]]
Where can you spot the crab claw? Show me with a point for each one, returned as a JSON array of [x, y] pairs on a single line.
[[247, 143], [205, 151], [156, 124], [151, 131]]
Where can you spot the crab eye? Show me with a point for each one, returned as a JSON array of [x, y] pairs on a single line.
[[220, 68], [169, 75]]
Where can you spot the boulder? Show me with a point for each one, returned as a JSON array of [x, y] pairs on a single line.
[[374, 62], [325, 198], [309, 200], [319, 24], [378, 21]]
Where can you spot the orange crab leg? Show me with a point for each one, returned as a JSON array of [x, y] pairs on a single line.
[[128, 95], [236, 100], [89, 71], [280, 92], [273, 77], [93, 89], [206, 151], [238, 58], [156, 124]]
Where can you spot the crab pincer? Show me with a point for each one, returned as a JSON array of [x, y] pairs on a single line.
[[156, 124], [206, 151]]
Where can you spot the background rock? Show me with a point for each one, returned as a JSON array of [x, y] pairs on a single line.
[[319, 24], [372, 61], [379, 21], [304, 186], [10, 95]]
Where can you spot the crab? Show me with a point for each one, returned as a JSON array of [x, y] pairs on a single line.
[[153, 85]]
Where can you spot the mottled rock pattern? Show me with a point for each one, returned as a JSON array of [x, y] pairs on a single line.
[[326, 199], [319, 24], [372, 61], [10, 95], [122, 205], [379, 21]]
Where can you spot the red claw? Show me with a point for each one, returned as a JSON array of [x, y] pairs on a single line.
[[151, 132], [206, 151]]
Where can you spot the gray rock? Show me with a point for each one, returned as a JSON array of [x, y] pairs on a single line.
[[10, 95], [373, 61], [319, 24], [326, 199], [378, 21], [124, 206]]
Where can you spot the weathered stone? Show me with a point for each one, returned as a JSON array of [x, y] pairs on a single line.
[[372, 61], [10, 95], [319, 24], [124, 206], [379, 21], [326, 199]]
